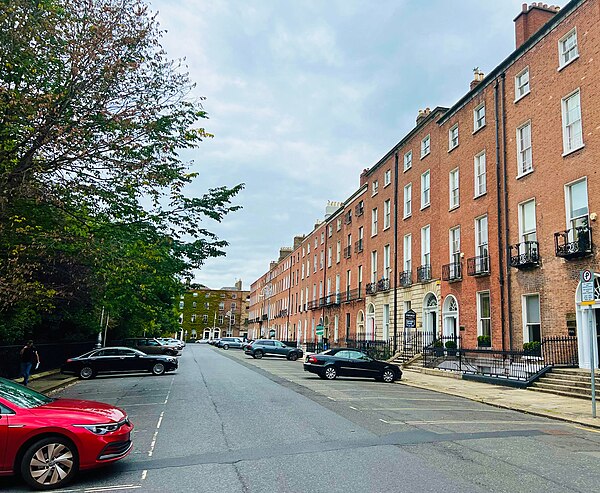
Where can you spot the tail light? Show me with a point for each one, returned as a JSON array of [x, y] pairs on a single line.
[[312, 359], [69, 360]]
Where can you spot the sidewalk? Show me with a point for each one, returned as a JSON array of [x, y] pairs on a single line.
[[48, 381], [569, 409]]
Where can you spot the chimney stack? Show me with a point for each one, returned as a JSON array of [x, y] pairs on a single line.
[[531, 19], [363, 176], [477, 77], [422, 115]]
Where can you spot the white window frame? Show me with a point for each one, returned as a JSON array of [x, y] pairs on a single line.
[[453, 137], [454, 244], [426, 245], [374, 222], [338, 226], [570, 129], [567, 54], [387, 178], [481, 246], [454, 188], [480, 176], [387, 212], [386, 261], [525, 316], [338, 252], [386, 321], [374, 266], [374, 187], [408, 156], [480, 317], [407, 253], [524, 150], [425, 189], [571, 218], [529, 234], [426, 146], [478, 118], [522, 85], [329, 256], [407, 200]]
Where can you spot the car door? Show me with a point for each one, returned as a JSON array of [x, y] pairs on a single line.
[[111, 360], [280, 348], [4, 415], [130, 360], [362, 365], [341, 361]]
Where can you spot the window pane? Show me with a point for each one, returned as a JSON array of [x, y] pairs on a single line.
[[533, 309]]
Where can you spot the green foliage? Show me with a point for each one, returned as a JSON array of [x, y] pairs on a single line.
[[532, 347], [484, 341], [93, 204], [438, 343], [450, 345]]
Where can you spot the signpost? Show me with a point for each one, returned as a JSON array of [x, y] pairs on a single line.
[[320, 330], [587, 300]]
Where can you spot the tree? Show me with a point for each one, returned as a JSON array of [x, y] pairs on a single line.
[[93, 116]]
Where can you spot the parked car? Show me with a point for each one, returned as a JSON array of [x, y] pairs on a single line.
[[345, 362], [118, 360], [214, 342], [227, 342], [150, 345], [170, 341], [47, 441], [262, 347]]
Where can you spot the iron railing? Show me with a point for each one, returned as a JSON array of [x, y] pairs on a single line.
[[573, 243], [348, 251], [383, 284], [358, 246], [524, 255], [313, 305], [351, 295], [348, 217], [359, 209], [377, 349], [424, 273], [371, 288], [406, 278], [452, 272], [478, 266]]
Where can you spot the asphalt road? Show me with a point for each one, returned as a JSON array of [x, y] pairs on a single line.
[[228, 423]]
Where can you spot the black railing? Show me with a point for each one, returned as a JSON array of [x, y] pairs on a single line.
[[424, 273], [409, 343], [351, 295], [478, 266], [406, 278], [331, 299], [265, 317], [359, 209], [371, 288], [383, 284], [358, 246], [313, 305], [347, 251], [51, 356], [520, 365], [452, 272], [314, 347], [573, 243], [524, 255], [348, 217], [377, 349]]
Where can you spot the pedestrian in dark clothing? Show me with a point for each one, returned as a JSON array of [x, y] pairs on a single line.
[[29, 358]]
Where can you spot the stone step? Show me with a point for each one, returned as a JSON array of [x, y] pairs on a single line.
[[563, 389], [584, 384], [559, 392], [567, 378], [574, 371]]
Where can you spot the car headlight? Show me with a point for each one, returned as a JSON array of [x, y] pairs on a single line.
[[103, 429]]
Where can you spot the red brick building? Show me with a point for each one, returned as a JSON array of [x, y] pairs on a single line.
[[480, 219]]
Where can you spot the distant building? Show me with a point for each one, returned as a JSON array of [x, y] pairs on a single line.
[[206, 313]]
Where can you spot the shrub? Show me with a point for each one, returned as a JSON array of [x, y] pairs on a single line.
[[450, 345]]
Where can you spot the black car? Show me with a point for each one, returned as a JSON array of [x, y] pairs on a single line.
[[346, 362], [262, 347], [118, 360]]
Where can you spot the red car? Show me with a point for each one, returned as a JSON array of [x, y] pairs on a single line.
[[48, 440]]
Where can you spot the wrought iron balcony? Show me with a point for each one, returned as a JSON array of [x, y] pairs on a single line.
[[358, 246], [359, 209], [452, 272], [478, 266], [524, 255], [371, 288], [265, 316], [383, 284], [348, 217], [347, 251], [424, 273], [351, 295], [406, 278], [573, 243], [313, 305], [331, 299]]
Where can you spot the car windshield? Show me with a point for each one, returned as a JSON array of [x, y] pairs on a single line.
[[21, 396], [88, 354]]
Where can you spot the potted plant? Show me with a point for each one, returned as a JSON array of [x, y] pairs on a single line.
[[484, 341], [451, 348], [533, 348], [438, 348]]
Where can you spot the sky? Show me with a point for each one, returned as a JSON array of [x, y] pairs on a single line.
[[302, 95]]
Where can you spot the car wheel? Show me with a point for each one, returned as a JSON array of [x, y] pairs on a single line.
[[49, 463], [158, 369], [293, 356], [330, 373], [225, 346], [388, 376], [258, 354], [86, 373]]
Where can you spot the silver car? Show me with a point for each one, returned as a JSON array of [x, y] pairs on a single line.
[[227, 342]]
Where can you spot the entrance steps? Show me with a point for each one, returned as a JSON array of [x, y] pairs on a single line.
[[569, 382], [414, 363]]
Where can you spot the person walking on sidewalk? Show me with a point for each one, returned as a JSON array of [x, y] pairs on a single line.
[[29, 358]]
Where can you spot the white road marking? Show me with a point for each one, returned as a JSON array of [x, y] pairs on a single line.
[[160, 420], [356, 409], [384, 421], [420, 409], [144, 474], [104, 488]]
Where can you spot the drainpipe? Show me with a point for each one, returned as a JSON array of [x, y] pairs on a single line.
[[506, 222], [289, 305], [499, 211], [325, 278], [395, 251]]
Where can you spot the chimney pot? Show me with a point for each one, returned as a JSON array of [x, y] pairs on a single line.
[[531, 19]]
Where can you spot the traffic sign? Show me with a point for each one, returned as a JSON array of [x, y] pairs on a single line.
[[587, 287], [319, 330]]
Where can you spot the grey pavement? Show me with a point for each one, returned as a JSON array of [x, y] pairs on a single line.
[[568, 409]]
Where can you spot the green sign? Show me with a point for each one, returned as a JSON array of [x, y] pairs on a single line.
[[319, 330]]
